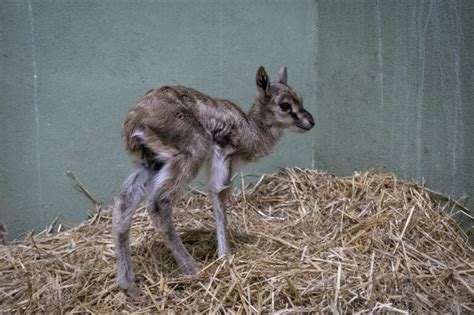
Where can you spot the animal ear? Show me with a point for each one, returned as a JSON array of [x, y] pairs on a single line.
[[282, 76], [263, 83]]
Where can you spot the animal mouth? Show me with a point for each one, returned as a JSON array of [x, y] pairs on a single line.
[[304, 127]]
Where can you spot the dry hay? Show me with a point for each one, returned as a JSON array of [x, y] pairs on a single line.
[[304, 241]]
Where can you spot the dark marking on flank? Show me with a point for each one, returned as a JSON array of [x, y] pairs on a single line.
[[221, 138], [150, 161]]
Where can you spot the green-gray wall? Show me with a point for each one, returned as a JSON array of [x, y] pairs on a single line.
[[390, 84]]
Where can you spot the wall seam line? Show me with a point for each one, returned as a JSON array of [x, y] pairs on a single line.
[[35, 103], [316, 43]]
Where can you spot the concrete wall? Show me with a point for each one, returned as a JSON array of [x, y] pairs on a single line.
[[395, 90], [389, 82]]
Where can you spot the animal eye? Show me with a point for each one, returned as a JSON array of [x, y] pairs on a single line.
[[285, 107]]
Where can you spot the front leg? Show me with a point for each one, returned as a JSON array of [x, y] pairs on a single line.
[[219, 205], [220, 189]]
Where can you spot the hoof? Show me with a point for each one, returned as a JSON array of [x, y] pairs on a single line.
[[191, 269], [133, 292]]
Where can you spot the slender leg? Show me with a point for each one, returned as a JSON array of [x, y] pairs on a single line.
[[218, 203], [220, 189], [132, 193], [167, 189]]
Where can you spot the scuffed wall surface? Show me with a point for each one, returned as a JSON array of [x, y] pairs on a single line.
[[395, 90], [19, 189], [94, 59], [390, 84]]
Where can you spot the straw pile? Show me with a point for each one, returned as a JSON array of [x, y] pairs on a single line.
[[303, 241]]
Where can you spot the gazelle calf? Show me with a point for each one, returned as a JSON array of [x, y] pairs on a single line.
[[174, 130]]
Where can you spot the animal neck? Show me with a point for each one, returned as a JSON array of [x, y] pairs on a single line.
[[262, 135]]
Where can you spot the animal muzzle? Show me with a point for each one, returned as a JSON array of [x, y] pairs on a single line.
[[306, 122]]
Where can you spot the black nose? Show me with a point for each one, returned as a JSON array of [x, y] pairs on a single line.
[[310, 118]]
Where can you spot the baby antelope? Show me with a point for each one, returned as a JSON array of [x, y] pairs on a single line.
[[174, 130]]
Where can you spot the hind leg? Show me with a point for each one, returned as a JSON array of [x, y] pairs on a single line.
[[131, 194], [167, 188]]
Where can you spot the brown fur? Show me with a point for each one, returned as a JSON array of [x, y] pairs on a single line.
[[172, 131]]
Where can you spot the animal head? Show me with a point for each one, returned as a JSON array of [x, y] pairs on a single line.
[[282, 102]]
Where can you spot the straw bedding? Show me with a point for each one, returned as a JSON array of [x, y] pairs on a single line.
[[303, 241]]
